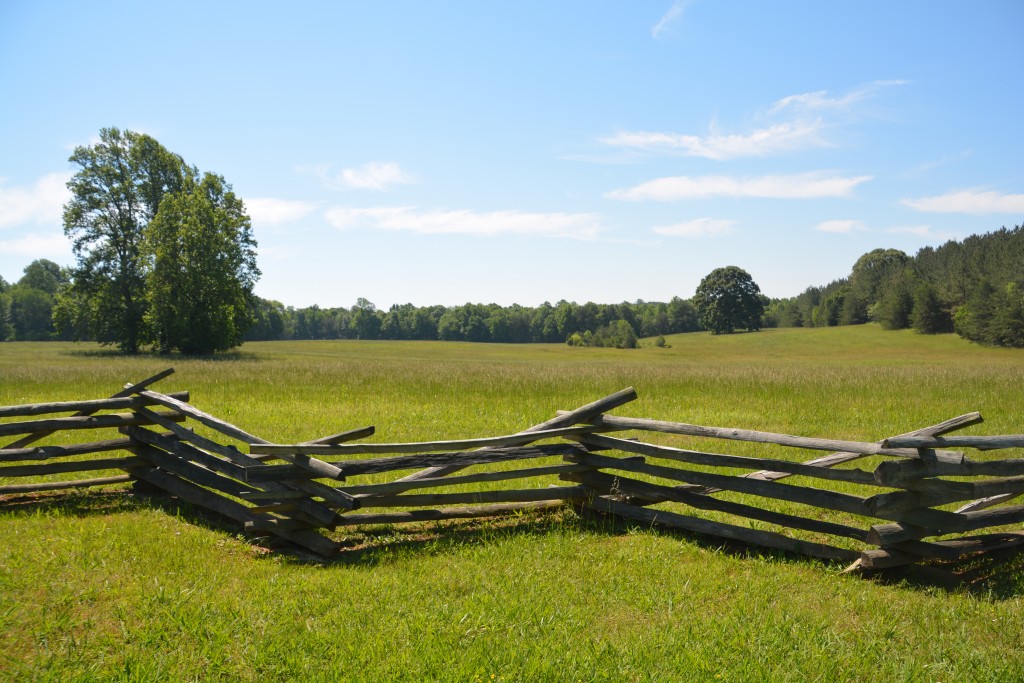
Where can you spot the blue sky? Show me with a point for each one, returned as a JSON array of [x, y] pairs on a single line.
[[445, 152]]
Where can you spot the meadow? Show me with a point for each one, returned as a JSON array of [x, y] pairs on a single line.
[[106, 586]]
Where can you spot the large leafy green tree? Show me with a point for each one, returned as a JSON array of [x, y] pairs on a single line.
[[728, 299], [203, 256], [116, 191]]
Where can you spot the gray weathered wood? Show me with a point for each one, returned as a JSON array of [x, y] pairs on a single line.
[[282, 450], [830, 500], [951, 523], [52, 452], [767, 539], [938, 492], [332, 496], [238, 512], [55, 424], [882, 558], [989, 502], [476, 511], [734, 461], [186, 451], [477, 497], [190, 471], [90, 406], [214, 423], [650, 494], [59, 485], [396, 487], [342, 437], [982, 443], [71, 466], [563, 419], [645, 424], [908, 473], [309, 511], [313, 465], [405, 462], [127, 391], [834, 459]]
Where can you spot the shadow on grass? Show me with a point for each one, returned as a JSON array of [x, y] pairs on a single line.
[[996, 575]]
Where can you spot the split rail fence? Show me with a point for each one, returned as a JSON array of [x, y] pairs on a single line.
[[922, 501]]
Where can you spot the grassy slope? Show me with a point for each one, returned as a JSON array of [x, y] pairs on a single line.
[[100, 586]]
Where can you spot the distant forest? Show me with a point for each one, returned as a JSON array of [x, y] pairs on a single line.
[[974, 288]]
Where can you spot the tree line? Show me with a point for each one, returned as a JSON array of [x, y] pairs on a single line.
[[588, 324], [974, 287]]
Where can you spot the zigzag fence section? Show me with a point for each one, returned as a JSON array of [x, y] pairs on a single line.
[[921, 500]]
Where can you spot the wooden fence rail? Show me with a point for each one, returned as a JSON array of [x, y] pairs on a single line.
[[918, 504]]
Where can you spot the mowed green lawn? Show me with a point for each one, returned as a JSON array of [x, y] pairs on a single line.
[[103, 586]]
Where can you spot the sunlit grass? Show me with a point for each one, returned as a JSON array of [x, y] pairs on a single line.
[[105, 586]]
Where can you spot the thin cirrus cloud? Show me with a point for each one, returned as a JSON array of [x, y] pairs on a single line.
[[583, 226], [697, 228], [969, 201], [674, 13], [821, 99], [780, 137], [271, 211], [779, 186], [375, 175], [802, 126], [842, 227], [42, 202]]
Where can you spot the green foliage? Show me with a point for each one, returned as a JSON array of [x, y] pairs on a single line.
[[30, 314], [928, 316], [993, 316], [44, 275], [476, 322], [618, 335], [165, 257], [203, 270], [116, 192], [977, 279], [895, 304], [728, 299]]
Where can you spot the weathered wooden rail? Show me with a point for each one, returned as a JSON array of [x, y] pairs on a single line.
[[920, 502]]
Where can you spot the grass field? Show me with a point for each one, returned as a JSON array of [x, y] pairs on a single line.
[[104, 587]]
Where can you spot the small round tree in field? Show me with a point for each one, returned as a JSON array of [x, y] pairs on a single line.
[[728, 299]]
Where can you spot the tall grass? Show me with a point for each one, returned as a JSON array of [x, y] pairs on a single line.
[[100, 586]]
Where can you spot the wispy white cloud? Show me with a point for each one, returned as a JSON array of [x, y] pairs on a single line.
[[375, 175], [796, 186], [271, 211], [670, 17], [698, 227], [929, 165], [821, 100], [42, 202], [844, 227], [56, 247], [969, 201], [780, 137], [463, 222], [792, 123]]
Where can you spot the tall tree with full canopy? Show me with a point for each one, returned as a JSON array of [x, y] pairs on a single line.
[[203, 255], [728, 299], [116, 192]]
